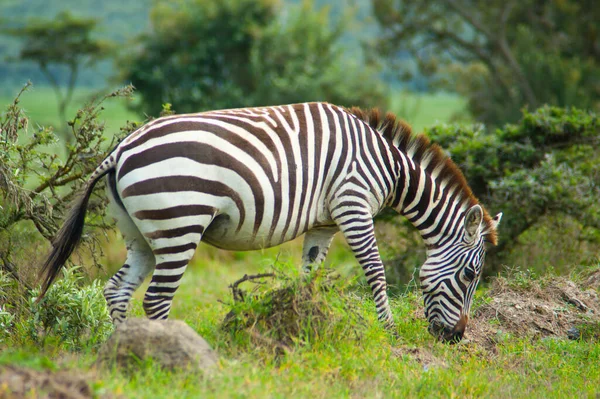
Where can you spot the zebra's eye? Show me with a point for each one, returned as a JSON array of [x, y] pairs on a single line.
[[469, 273]]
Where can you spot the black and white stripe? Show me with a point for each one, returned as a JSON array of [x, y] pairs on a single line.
[[253, 178]]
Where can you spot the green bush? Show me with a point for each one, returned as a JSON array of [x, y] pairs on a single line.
[[547, 164], [72, 313], [7, 321], [38, 180]]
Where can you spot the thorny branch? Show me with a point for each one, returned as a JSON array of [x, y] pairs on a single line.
[[37, 184]]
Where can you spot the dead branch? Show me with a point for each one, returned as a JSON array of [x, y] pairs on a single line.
[[238, 294]]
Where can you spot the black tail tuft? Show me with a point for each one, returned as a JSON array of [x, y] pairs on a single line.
[[66, 240]]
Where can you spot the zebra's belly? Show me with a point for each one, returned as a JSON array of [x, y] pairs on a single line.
[[221, 233]]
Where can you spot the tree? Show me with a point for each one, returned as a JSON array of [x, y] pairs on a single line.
[[63, 41], [33, 179], [501, 54], [202, 55], [302, 58]]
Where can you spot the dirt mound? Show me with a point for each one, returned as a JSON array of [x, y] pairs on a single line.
[[17, 382], [294, 312], [274, 318], [554, 307]]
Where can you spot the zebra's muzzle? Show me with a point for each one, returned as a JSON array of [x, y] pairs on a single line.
[[446, 334]]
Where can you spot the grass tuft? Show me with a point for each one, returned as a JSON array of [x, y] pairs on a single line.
[[289, 312]]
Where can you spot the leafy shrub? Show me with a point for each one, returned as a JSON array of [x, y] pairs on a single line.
[[546, 164], [541, 172], [72, 313], [37, 182], [7, 321]]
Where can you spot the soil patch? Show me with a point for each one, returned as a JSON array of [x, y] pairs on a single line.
[[554, 307], [18, 382], [422, 355]]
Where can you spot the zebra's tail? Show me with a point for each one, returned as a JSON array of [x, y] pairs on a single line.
[[70, 233]]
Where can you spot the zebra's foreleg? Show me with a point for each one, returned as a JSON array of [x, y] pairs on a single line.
[[120, 287], [357, 227], [316, 245]]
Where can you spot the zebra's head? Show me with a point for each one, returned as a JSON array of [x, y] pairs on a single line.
[[451, 273]]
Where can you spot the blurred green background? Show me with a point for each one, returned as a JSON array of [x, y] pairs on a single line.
[[510, 89]]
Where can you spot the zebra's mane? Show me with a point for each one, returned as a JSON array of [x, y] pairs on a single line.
[[420, 149]]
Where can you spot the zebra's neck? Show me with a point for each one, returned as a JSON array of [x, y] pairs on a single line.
[[431, 203]]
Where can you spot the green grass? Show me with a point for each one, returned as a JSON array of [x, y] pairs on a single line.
[[40, 105], [418, 109], [357, 358]]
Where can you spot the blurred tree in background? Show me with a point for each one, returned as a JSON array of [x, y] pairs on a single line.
[[500, 54], [66, 41], [202, 55]]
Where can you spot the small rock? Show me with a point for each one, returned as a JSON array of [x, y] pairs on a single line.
[[170, 343], [573, 333]]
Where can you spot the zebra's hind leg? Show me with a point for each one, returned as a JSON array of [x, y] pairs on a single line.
[[171, 263], [120, 287], [316, 245]]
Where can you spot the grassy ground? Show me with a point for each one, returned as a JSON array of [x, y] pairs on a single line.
[[353, 358], [40, 105], [418, 109]]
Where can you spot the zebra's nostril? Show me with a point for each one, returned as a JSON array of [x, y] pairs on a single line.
[[437, 329]]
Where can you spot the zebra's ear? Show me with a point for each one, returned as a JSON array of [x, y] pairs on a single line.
[[473, 220], [496, 220]]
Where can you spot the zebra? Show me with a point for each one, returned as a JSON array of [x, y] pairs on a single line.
[[252, 178]]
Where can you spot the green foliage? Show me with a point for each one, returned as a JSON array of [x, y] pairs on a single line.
[[72, 315], [7, 321], [10, 300], [203, 55], [546, 164], [300, 57], [71, 312], [64, 40], [500, 55]]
